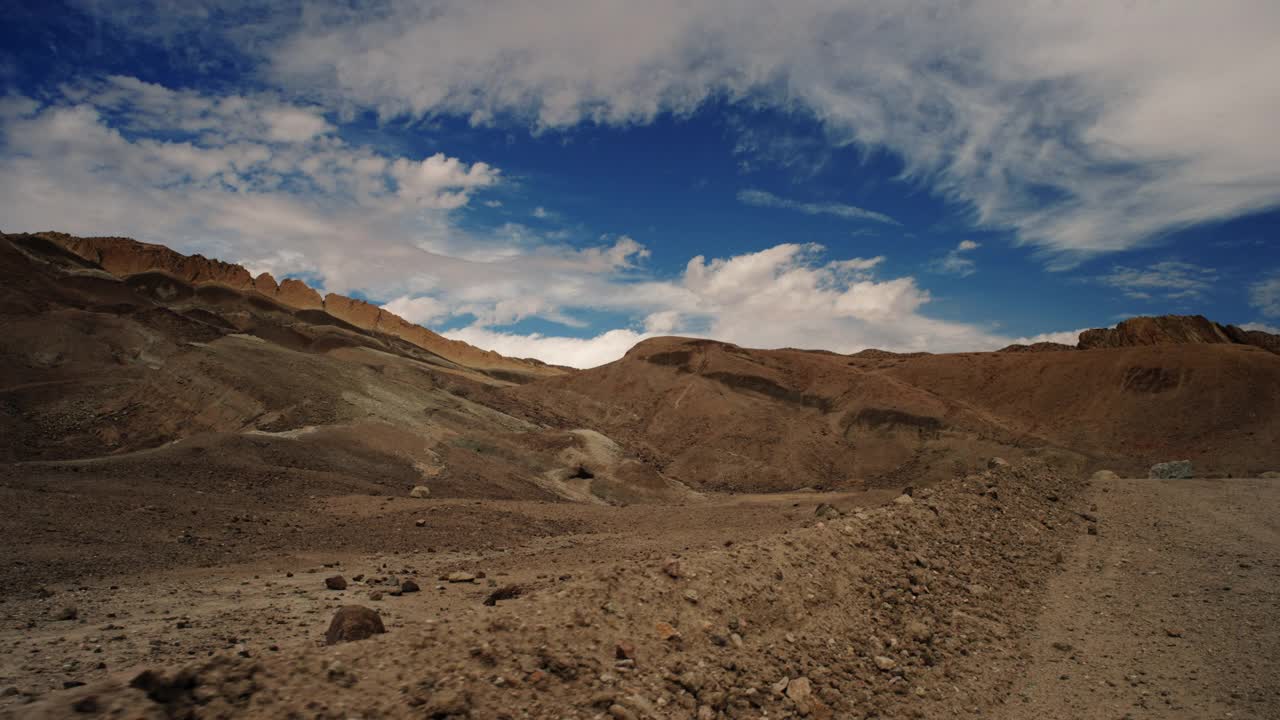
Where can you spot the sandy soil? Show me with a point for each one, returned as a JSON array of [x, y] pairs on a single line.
[[1171, 611]]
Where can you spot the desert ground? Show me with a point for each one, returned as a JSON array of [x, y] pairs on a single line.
[[202, 470]]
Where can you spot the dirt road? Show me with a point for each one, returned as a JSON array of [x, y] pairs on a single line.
[[1171, 611]]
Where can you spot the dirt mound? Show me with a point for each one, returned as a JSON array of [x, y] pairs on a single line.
[[891, 611], [1174, 330]]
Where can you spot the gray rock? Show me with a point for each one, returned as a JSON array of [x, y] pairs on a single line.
[[1175, 470]]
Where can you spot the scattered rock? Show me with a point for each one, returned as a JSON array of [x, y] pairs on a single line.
[[459, 576], [903, 500], [624, 651], [827, 511], [1105, 475], [1174, 470], [375, 595], [67, 613], [419, 523], [667, 632], [1173, 632], [997, 462], [885, 663], [409, 586], [672, 569], [691, 596], [1063, 647], [420, 491], [337, 582], [353, 622]]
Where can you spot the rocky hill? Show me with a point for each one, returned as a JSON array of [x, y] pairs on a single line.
[[1175, 330], [127, 258]]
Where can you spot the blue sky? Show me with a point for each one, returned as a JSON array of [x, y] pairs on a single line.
[[552, 182]]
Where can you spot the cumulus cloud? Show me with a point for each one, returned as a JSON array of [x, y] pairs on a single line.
[[571, 351], [1265, 296], [1064, 337], [244, 177], [956, 262], [1086, 127], [1168, 280], [789, 295], [760, 198]]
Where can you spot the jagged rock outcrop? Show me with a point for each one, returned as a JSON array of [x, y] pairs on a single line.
[[1174, 330], [124, 257]]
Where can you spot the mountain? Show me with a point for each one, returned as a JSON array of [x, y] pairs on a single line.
[[139, 361], [113, 347]]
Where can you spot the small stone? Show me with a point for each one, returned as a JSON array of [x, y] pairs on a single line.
[[619, 712], [799, 691], [1063, 647], [691, 596], [903, 500], [1173, 632], [353, 622], [667, 632], [337, 582], [919, 632], [375, 595], [826, 511], [997, 462], [420, 491], [672, 569], [624, 650], [506, 592], [67, 613], [1093, 530], [409, 586], [885, 663], [459, 576], [420, 523]]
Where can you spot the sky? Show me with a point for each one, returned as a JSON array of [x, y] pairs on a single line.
[[561, 179]]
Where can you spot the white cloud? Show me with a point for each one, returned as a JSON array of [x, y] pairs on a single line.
[[1065, 337], [574, 352], [760, 198], [1265, 296], [423, 310], [955, 262], [1169, 279], [1087, 127], [1261, 327]]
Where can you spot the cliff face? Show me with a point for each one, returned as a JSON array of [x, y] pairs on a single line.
[[1174, 330], [124, 257]]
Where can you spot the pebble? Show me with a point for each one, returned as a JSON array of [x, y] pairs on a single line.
[[337, 582], [885, 663]]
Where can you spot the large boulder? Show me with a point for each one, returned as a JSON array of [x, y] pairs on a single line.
[[353, 622], [1175, 470]]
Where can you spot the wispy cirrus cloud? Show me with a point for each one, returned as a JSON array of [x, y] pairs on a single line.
[[1264, 295], [957, 260], [761, 198], [1166, 280]]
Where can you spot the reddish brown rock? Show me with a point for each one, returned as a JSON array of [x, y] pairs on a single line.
[[353, 622]]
